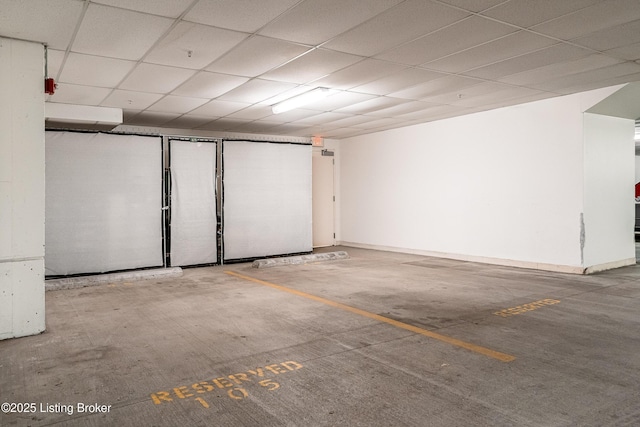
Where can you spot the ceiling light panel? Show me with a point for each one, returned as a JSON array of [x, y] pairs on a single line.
[[265, 54], [168, 8], [130, 99], [177, 104], [526, 13], [402, 23], [95, 70], [359, 73], [465, 34], [398, 81], [256, 90], [118, 33], [155, 78], [312, 66], [594, 18], [190, 45], [51, 21], [314, 22], [241, 15], [497, 50], [209, 85]]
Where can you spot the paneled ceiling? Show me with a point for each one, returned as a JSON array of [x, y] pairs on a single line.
[[219, 65]]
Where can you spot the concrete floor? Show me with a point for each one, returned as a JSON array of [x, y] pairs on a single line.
[[381, 339]]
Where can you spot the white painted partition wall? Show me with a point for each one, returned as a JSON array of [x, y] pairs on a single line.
[[22, 199], [504, 186]]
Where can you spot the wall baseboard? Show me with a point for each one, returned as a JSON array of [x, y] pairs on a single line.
[[558, 268]]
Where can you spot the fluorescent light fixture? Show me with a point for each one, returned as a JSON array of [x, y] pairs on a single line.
[[300, 100]]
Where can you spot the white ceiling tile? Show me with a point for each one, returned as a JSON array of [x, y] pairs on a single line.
[[291, 129], [552, 71], [168, 8], [95, 70], [359, 74], [397, 25], [462, 35], [209, 85], [289, 93], [397, 81], [490, 93], [177, 104], [371, 105], [515, 44], [311, 66], [543, 57], [611, 38], [54, 62], [630, 52], [594, 18], [354, 121], [457, 95], [339, 100], [344, 133], [76, 94], [323, 118], [253, 112], [404, 108], [265, 54], [218, 108], [222, 124], [130, 100], [118, 33], [49, 21], [190, 45], [149, 118], [256, 90], [314, 22], [240, 15], [526, 13], [155, 78], [435, 87], [254, 127], [473, 5], [292, 115], [429, 113], [189, 121], [589, 76]]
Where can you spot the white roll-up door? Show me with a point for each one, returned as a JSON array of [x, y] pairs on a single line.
[[193, 203], [267, 199], [103, 202]]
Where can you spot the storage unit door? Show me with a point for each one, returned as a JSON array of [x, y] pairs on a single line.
[[103, 202], [267, 199], [193, 222]]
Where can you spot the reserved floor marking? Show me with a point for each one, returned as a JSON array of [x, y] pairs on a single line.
[[507, 312], [453, 341]]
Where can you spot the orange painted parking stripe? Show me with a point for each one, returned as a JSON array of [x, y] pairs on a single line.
[[450, 340]]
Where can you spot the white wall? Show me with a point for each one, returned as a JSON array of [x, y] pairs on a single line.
[[502, 186], [21, 188], [609, 215]]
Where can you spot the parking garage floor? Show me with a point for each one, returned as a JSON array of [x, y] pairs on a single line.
[[380, 339]]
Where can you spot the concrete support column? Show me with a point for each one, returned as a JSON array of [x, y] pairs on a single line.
[[22, 186]]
